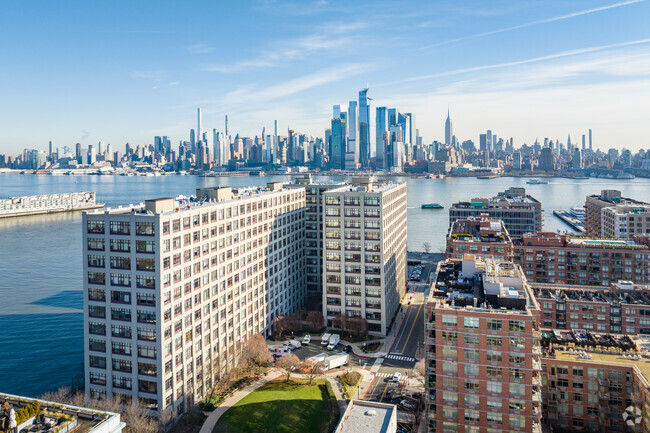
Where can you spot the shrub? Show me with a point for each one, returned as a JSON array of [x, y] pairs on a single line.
[[352, 378]]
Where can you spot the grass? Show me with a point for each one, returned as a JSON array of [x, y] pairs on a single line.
[[281, 407]]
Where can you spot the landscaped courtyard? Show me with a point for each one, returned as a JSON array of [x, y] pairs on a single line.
[[281, 407]]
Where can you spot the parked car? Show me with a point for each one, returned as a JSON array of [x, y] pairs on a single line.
[[347, 349], [407, 404], [294, 344], [396, 377], [389, 394], [306, 339]]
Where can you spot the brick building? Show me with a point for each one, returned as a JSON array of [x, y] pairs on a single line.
[[480, 236]]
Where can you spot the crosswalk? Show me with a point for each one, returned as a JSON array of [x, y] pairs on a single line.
[[384, 374], [400, 357]]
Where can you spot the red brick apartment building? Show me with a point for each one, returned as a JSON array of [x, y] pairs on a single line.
[[480, 236], [483, 351], [547, 257]]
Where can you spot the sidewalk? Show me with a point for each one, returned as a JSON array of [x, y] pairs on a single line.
[[388, 341], [230, 401]]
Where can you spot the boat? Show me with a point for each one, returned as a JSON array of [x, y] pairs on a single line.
[[488, 176], [432, 206], [436, 176], [536, 182]]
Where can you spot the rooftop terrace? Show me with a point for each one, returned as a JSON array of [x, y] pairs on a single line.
[[621, 293]]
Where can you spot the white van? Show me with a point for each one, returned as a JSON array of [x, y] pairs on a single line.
[[334, 340], [294, 344], [281, 351], [325, 339]]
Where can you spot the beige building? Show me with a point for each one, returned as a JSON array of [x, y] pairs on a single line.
[[173, 288], [624, 221], [594, 205], [482, 345], [365, 252]]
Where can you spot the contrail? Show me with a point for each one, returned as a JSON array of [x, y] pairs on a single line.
[[534, 23]]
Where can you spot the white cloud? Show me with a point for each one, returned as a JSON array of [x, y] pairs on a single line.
[[199, 48]]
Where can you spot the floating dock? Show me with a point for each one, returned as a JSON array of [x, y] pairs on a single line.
[[570, 220]]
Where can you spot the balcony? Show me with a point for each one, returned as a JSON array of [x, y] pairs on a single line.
[[537, 365], [537, 397], [537, 350]]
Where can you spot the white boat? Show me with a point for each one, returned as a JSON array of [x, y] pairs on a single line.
[[536, 182]]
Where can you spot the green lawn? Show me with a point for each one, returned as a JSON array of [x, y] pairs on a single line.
[[280, 407]]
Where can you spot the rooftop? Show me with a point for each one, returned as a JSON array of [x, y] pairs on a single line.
[[481, 229], [510, 198], [57, 416], [552, 239], [203, 197], [365, 417], [623, 294], [481, 283]]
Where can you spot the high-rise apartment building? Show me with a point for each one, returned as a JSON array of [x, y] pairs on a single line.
[[314, 245], [365, 252], [482, 349], [552, 258], [364, 129], [594, 205], [337, 144], [381, 124], [624, 221], [519, 212], [481, 237], [173, 288]]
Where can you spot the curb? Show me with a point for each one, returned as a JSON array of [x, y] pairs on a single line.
[[369, 386]]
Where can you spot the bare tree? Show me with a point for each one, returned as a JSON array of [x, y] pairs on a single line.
[[288, 363], [427, 247], [420, 370], [256, 352], [312, 369], [314, 320], [279, 324]]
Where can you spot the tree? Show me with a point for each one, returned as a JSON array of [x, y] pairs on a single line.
[[420, 371], [314, 320], [427, 247], [279, 324], [312, 369], [288, 363], [256, 352]]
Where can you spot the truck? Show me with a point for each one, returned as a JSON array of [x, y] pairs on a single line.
[[294, 344], [336, 361], [317, 358], [334, 340], [325, 339]]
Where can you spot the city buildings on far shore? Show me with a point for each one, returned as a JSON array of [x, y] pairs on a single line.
[[552, 258], [173, 288], [364, 235], [594, 205], [521, 213], [481, 236], [482, 346]]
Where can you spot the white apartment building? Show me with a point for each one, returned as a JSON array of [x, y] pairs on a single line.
[[624, 221], [365, 252], [175, 287]]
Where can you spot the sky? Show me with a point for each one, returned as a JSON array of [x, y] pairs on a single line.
[[79, 71]]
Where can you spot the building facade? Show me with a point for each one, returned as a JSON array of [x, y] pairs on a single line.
[[552, 258], [480, 236], [624, 221], [173, 289], [365, 252], [594, 205], [519, 212], [622, 309], [482, 349]]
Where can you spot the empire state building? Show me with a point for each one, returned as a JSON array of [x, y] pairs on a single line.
[[449, 132]]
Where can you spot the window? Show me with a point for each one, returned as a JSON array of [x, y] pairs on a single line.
[[120, 348], [120, 228], [146, 228], [493, 356], [517, 326], [494, 387], [97, 328], [95, 226], [123, 280], [97, 361], [97, 378], [146, 351], [145, 282], [146, 316], [449, 320], [98, 312], [147, 299], [493, 324], [120, 297], [120, 331], [96, 345], [146, 334], [123, 314], [95, 261], [471, 339], [145, 247], [121, 245], [122, 365], [493, 341], [493, 372], [95, 244], [145, 264], [470, 322], [96, 278], [147, 369]]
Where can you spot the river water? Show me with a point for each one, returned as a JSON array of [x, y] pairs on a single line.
[[41, 320]]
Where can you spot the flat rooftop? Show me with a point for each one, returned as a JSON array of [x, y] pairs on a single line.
[[602, 242], [639, 295], [367, 417], [480, 283], [598, 359], [479, 230]]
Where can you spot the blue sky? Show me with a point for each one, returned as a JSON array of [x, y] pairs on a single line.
[[126, 71]]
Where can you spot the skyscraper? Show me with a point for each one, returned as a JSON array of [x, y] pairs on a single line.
[[352, 151], [336, 112], [381, 129], [364, 129], [198, 124], [337, 144], [449, 131], [226, 130], [590, 143], [583, 142]]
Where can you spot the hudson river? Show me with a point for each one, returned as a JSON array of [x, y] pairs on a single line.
[[41, 318]]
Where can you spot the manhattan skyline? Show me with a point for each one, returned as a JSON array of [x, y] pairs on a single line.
[[81, 73]]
